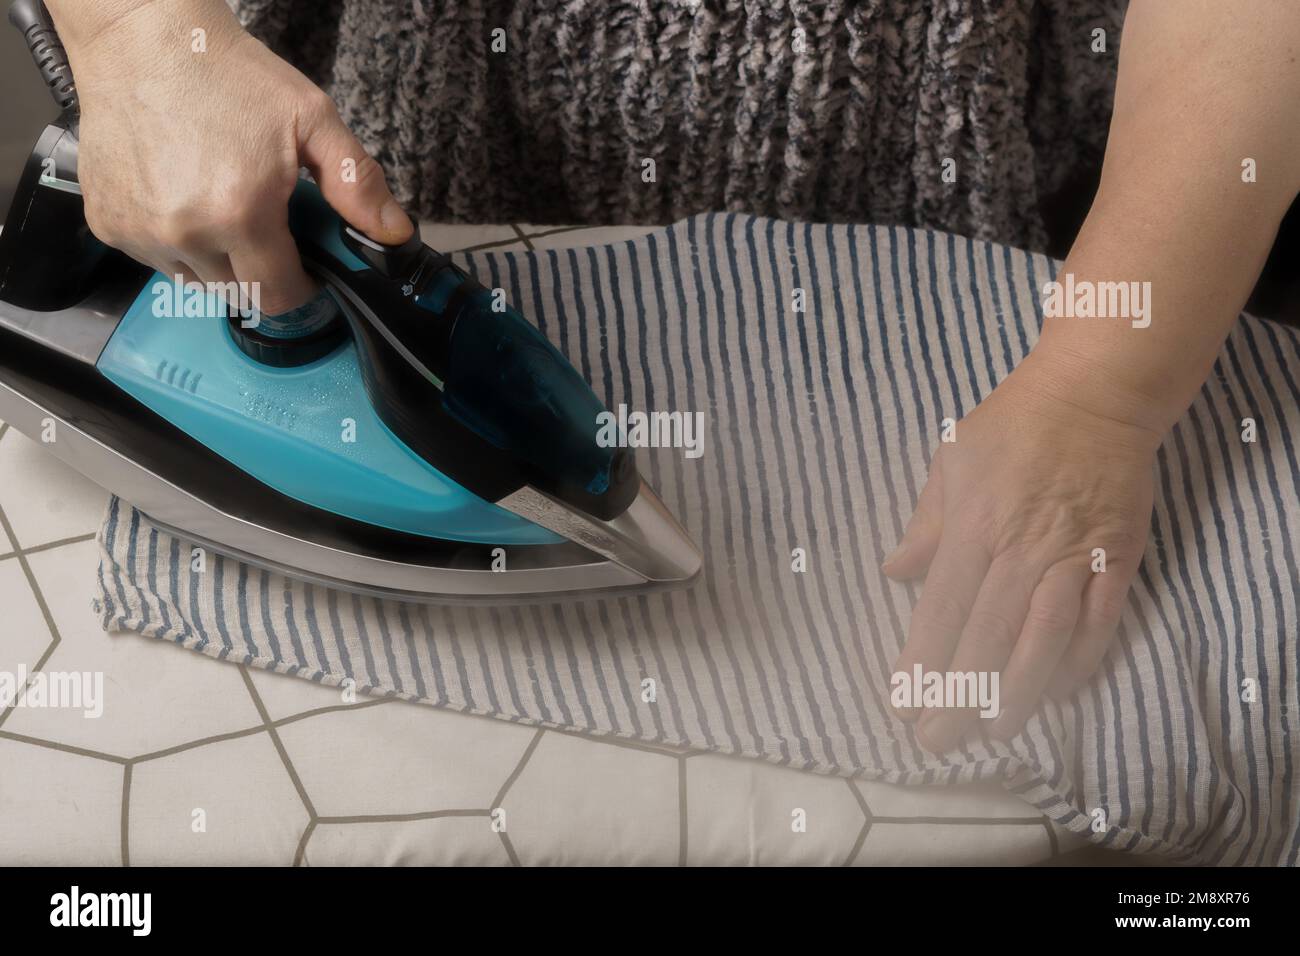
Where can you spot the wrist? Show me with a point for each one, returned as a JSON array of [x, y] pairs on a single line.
[[1058, 374], [82, 25]]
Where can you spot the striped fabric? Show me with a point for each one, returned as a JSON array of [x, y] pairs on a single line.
[[820, 424]]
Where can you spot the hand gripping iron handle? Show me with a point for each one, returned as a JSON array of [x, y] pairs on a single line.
[[33, 21], [476, 391]]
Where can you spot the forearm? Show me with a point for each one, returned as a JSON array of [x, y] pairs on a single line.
[[1202, 89]]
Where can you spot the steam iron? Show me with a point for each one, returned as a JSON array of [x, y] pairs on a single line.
[[421, 441]]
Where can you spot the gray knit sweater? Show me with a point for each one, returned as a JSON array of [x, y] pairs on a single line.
[[835, 110]]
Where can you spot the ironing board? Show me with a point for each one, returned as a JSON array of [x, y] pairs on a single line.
[[215, 764]]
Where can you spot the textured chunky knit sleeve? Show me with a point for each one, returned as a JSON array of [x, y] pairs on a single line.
[[843, 110]]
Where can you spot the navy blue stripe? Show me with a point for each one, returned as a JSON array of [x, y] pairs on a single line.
[[829, 514], [447, 622], [903, 440], [1009, 275], [336, 630], [721, 308], [484, 662], [313, 628], [110, 544], [535, 682], [291, 624], [251, 651], [363, 637], [580, 330], [719, 461], [1285, 682], [413, 656], [193, 595], [1153, 596], [1183, 591], [650, 401], [1278, 428], [887, 474], [617, 339], [705, 510], [1258, 484], [991, 274], [676, 499], [630, 683], [498, 628], [151, 577], [131, 554], [386, 640], [941, 331], [976, 291], [1223, 455], [268, 628], [766, 537], [219, 604], [869, 579], [174, 587]]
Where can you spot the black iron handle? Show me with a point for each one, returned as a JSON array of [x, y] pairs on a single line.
[[43, 43]]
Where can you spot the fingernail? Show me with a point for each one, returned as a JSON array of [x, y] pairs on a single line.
[[907, 715], [393, 217]]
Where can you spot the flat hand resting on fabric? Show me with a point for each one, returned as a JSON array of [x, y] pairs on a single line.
[[1057, 461], [1029, 531]]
